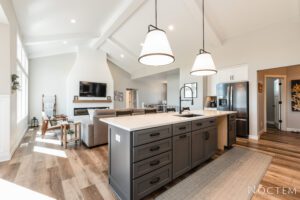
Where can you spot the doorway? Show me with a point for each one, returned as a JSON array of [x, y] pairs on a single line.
[[275, 100], [131, 98]]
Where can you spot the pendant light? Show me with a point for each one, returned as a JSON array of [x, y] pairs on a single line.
[[204, 64], [156, 50]]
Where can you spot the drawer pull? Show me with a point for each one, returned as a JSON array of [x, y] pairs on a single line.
[[182, 136], [155, 148], [155, 180], [212, 121], [182, 128], [206, 135], [199, 124], [154, 134], [154, 162]]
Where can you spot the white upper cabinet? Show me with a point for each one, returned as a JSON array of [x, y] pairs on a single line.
[[233, 74]]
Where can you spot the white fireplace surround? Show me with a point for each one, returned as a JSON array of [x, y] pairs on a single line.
[[90, 65]]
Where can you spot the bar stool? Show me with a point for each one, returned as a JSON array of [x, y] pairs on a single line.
[[150, 111], [171, 110], [123, 113]]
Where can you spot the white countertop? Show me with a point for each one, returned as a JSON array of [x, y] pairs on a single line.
[[139, 122]]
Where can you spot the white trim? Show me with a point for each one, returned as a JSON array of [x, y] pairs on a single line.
[[4, 127], [4, 157], [254, 137], [293, 129], [284, 100]]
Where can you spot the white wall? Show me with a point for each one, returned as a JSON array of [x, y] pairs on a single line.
[[16, 130], [150, 91], [185, 77], [48, 76], [173, 89], [271, 47], [5, 59]]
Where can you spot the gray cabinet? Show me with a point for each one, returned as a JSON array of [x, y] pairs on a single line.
[[181, 154], [181, 128], [198, 153], [231, 130], [210, 141], [142, 161]]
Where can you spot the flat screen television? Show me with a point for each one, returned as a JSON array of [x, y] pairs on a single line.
[[91, 89]]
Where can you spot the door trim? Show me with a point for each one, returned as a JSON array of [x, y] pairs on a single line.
[[284, 101]]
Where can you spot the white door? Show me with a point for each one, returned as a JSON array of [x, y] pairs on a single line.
[[277, 102]]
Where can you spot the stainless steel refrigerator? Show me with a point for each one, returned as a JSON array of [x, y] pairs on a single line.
[[235, 97]]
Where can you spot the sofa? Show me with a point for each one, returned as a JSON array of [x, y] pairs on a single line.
[[97, 131]]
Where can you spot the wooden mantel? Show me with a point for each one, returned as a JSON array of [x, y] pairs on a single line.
[[92, 101]]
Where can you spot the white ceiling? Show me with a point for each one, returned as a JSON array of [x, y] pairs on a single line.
[[119, 26], [3, 18]]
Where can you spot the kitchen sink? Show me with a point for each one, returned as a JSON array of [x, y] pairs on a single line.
[[188, 115]]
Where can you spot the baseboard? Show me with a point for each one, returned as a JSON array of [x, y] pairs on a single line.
[[17, 144], [5, 156], [293, 129], [254, 137]]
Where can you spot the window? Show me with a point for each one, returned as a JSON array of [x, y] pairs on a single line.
[[22, 71]]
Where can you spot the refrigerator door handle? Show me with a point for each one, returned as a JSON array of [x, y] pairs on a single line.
[[228, 97], [241, 119], [231, 99]]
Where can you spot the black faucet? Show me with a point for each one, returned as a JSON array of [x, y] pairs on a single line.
[[180, 99]]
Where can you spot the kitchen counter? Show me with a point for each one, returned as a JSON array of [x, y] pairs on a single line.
[[139, 122], [148, 151]]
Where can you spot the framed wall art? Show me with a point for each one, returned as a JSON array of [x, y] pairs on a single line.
[[295, 92], [188, 92]]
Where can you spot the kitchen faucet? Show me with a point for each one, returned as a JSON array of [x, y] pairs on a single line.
[[180, 99]]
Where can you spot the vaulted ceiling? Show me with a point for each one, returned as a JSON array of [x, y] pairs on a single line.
[[3, 18], [119, 26]]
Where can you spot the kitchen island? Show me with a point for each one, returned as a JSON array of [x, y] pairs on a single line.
[[148, 151]]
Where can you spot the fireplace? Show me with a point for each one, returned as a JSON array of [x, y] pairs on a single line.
[[84, 111]]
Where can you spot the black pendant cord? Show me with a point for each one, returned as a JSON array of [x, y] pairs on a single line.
[[203, 24], [156, 13]]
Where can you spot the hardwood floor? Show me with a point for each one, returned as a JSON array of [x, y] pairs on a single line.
[[282, 179], [42, 165]]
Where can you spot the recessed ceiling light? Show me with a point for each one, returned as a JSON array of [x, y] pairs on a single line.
[[122, 56], [73, 21], [65, 42], [171, 27]]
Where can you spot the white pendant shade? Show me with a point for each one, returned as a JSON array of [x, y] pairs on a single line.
[[156, 50], [203, 65]]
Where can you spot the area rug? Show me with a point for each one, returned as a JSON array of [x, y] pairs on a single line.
[[233, 176]]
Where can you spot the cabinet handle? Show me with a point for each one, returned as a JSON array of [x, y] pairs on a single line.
[[155, 180], [199, 124], [154, 134], [182, 128], [182, 136], [154, 162], [155, 148], [212, 121], [206, 135]]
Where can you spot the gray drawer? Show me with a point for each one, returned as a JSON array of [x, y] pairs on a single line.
[[181, 128], [150, 164], [151, 135], [203, 123], [152, 149], [151, 182]]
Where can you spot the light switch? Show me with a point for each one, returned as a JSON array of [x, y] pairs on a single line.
[[118, 138]]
